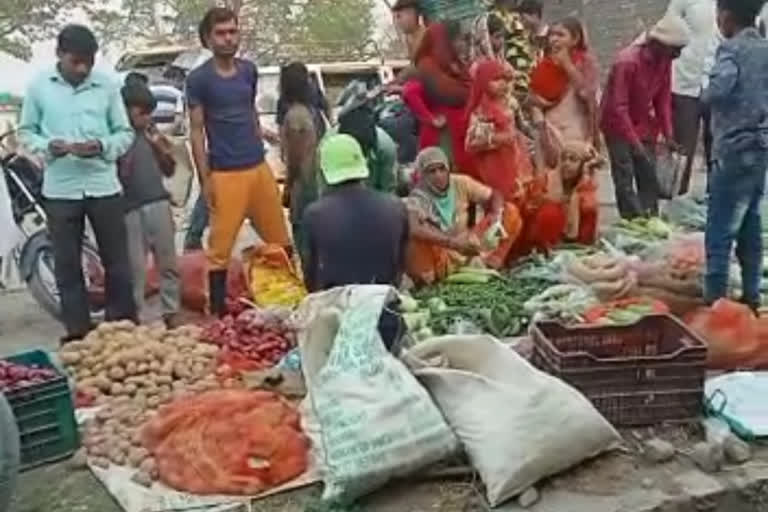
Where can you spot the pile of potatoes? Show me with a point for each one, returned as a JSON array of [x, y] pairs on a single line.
[[114, 436], [131, 371], [148, 364]]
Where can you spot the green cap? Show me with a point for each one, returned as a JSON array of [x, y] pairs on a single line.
[[341, 159]]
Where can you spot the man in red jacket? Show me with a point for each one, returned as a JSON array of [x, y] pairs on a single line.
[[637, 109]]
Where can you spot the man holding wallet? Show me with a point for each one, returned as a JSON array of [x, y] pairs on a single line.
[[74, 118]]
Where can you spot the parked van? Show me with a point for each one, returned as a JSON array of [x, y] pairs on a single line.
[[171, 63]]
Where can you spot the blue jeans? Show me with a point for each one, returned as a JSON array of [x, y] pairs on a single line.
[[197, 223], [736, 189]]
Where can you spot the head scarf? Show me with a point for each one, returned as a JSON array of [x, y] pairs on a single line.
[[442, 71], [487, 71], [671, 30], [435, 206], [591, 159]]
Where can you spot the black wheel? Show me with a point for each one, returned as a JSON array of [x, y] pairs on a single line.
[[42, 282]]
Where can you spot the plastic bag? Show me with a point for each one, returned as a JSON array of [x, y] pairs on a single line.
[[227, 442], [10, 235], [272, 279], [193, 268], [375, 421], [737, 340], [566, 302], [686, 212], [669, 172], [739, 399], [676, 265], [510, 417]]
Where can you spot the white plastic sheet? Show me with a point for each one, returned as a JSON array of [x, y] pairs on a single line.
[[739, 398], [9, 232]]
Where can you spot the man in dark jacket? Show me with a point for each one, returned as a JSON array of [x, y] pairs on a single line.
[[355, 235]]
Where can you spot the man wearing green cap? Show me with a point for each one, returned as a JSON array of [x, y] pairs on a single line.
[[354, 235]]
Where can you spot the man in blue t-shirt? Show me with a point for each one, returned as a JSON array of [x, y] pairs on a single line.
[[228, 149]]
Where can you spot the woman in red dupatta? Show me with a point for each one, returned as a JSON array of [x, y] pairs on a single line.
[[565, 84], [438, 96], [500, 157]]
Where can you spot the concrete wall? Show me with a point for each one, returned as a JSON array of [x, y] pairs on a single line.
[[611, 24]]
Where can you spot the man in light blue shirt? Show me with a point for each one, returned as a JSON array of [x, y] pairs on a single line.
[[74, 118]]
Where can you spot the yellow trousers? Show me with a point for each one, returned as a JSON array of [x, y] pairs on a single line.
[[247, 193]]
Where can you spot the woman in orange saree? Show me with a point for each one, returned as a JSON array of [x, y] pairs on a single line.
[[439, 209]]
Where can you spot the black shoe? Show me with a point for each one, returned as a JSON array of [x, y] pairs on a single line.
[[71, 337], [172, 321], [217, 292]]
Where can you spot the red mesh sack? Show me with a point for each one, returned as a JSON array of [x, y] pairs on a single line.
[[235, 442], [736, 338], [193, 268]]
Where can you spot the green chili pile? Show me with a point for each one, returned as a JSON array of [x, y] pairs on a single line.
[[496, 306]]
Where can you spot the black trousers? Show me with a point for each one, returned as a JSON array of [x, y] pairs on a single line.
[[66, 223], [634, 179], [690, 115]]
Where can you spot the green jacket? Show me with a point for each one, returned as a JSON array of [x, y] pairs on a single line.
[[382, 163]]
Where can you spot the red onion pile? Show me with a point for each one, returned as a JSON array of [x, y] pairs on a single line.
[[17, 376], [261, 337]]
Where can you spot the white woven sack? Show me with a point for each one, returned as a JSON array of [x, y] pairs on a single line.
[[517, 424], [376, 421]]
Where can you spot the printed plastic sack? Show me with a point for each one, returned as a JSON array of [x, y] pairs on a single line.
[[374, 420], [737, 340], [517, 424], [193, 268], [669, 171], [272, 279]]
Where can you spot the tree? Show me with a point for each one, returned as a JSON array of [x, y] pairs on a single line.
[[272, 29], [133, 20], [24, 22], [342, 29]]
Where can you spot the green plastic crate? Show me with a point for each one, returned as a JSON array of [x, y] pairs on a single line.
[[44, 414], [452, 9]]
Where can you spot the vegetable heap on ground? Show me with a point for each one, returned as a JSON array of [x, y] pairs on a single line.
[[18, 376], [609, 277], [625, 311], [493, 304], [151, 365], [130, 372], [256, 339], [227, 442]]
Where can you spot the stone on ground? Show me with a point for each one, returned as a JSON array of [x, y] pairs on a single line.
[[529, 498], [736, 450], [709, 457], [658, 451]]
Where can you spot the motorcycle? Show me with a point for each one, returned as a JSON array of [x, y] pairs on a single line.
[[33, 256]]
